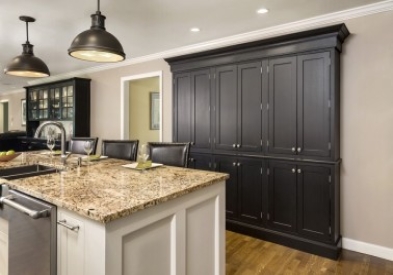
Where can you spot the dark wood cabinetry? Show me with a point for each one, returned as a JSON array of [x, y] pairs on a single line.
[[193, 94], [270, 110], [66, 100]]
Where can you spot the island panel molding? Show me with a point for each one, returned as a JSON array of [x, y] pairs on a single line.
[[273, 110]]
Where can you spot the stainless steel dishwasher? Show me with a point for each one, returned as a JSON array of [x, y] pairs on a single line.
[[30, 226]]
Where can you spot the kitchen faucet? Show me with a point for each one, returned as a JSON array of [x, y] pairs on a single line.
[[63, 137]]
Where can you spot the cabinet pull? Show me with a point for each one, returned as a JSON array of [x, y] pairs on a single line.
[[293, 170], [64, 223], [234, 164], [192, 143], [299, 171], [299, 149], [293, 149], [234, 145], [238, 145]]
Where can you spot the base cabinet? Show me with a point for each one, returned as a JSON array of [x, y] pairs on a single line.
[[162, 239], [70, 244]]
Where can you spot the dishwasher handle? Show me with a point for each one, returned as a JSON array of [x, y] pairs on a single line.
[[8, 200]]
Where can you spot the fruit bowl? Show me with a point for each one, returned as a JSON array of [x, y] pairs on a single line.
[[9, 157]]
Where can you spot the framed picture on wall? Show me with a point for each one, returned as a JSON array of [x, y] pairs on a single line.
[[23, 112], [154, 111]]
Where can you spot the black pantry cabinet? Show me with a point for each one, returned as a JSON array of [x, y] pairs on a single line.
[[267, 113]]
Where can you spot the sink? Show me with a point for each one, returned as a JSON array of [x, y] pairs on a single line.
[[25, 171]]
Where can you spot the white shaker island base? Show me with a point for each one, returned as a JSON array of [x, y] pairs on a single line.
[[183, 236]]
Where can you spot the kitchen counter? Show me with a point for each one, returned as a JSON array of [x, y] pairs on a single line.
[[105, 191], [113, 220]]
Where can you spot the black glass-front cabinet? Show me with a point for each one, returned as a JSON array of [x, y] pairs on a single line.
[[66, 100]]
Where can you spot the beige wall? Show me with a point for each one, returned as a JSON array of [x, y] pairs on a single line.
[[366, 124], [367, 130], [140, 109], [14, 109]]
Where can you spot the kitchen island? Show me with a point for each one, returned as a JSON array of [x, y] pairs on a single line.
[[165, 220]]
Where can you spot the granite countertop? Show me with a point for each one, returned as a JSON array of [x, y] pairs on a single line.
[[105, 191]]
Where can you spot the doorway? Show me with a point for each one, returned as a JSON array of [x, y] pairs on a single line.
[[141, 107], [4, 117]]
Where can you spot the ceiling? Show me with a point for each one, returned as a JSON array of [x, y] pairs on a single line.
[[143, 27]]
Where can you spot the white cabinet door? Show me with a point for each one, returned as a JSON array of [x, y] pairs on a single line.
[[3, 247], [70, 245]]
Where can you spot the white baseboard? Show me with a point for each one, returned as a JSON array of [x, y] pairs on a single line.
[[368, 248]]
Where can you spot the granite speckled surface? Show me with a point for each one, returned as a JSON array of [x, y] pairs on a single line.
[[105, 191]]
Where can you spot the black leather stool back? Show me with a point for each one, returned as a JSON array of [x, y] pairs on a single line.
[[76, 145], [120, 149], [173, 154]]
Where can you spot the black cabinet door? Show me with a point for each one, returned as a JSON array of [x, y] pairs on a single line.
[[183, 104], [249, 107], [314, 202], [250, 189], [200, 161], [200, 83], [226, 108], [313, 105], [282, 196], [282, 106], [229, 165]]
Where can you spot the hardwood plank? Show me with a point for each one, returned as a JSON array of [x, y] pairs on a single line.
[[249, 256]]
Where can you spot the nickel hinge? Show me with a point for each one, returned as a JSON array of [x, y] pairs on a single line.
[[329, 146], [268, 171], [330, 230], [330, 178], [267, 69], [261, 171]]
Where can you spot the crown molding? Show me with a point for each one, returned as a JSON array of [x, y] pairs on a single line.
[[296, 26], [17, 91]]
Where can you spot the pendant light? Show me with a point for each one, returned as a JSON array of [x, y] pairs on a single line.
[[26, 64], [96, 44]]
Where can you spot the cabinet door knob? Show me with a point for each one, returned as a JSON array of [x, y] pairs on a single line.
[[293, 170], [299, 149], [191, 160], [234, 164], [192, 143], [238, 164], [234, 145], [299, 171], [238, 146], [293, 149]]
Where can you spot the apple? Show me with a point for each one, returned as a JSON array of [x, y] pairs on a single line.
[[10, 152]]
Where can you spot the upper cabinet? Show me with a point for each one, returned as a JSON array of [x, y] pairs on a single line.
[[278, 97], [67, 100], [192, 96], [299, 105]]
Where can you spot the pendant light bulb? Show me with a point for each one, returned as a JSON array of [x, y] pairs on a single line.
[[96, 44], [26, 64]]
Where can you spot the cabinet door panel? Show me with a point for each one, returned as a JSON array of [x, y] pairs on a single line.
[[313, 104], [226, 108], [282, 105], [282, 196], [201, 109], [228, 165], [250, 190], [201, 162], [183, 105], [314, 206], [249, 106]]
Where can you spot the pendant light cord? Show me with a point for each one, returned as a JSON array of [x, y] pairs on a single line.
[[27, 32], [98, 5]]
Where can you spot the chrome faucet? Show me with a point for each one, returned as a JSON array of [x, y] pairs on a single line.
[[63, 137]]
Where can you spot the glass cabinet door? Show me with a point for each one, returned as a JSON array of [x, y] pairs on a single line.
[[33, 105], [67, 102], [43, 104], [55, 103], [38, 104]]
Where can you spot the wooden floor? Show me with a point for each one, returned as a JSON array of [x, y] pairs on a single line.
[[250, 256]]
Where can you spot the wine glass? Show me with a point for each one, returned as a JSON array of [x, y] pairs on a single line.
[[50, 143], [143, 154], [88, 147]]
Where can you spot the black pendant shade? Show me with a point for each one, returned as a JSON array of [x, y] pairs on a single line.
[[26, 64], [96, 44]]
